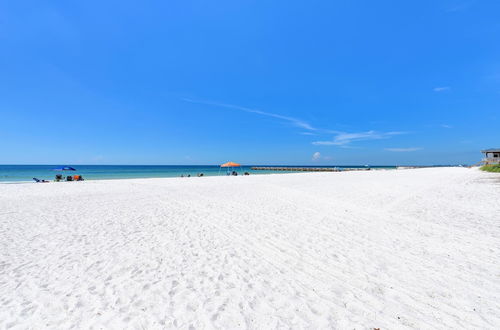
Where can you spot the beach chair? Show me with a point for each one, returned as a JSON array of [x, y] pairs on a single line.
[[78, 178], [69, 178], [59, 177], [40, 181]]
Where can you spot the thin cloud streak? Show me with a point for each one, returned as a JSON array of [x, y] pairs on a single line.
[[344, 138], [441, 89], [294, 121]]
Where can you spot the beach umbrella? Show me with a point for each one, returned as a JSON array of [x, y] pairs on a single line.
[[230, 164], [65, 168]]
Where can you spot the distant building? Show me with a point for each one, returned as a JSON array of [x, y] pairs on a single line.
[[491, 156]]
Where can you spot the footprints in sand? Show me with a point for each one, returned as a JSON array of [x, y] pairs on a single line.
[[157, 256]]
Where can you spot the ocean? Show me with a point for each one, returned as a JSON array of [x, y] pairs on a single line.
[[17, 173]]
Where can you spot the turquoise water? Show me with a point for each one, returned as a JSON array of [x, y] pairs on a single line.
[[14, 173]]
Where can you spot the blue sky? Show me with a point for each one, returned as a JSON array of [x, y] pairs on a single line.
[[258, 82]]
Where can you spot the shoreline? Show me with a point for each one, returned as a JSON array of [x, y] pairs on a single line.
[[254, 172]]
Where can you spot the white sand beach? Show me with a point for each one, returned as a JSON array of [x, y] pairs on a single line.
[[400, 249]]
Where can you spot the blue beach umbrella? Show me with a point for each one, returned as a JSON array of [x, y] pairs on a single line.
[[65, 168]]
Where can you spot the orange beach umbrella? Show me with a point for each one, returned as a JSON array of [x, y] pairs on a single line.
[[230, 164]]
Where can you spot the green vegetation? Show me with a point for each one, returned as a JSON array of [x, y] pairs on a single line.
[[491, 168]]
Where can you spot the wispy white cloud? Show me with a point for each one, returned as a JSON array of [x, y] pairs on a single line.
[[317, 156], [442, 89], [345, 146], [446, 126], [403, 149], [341, 139], [294, 121]]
